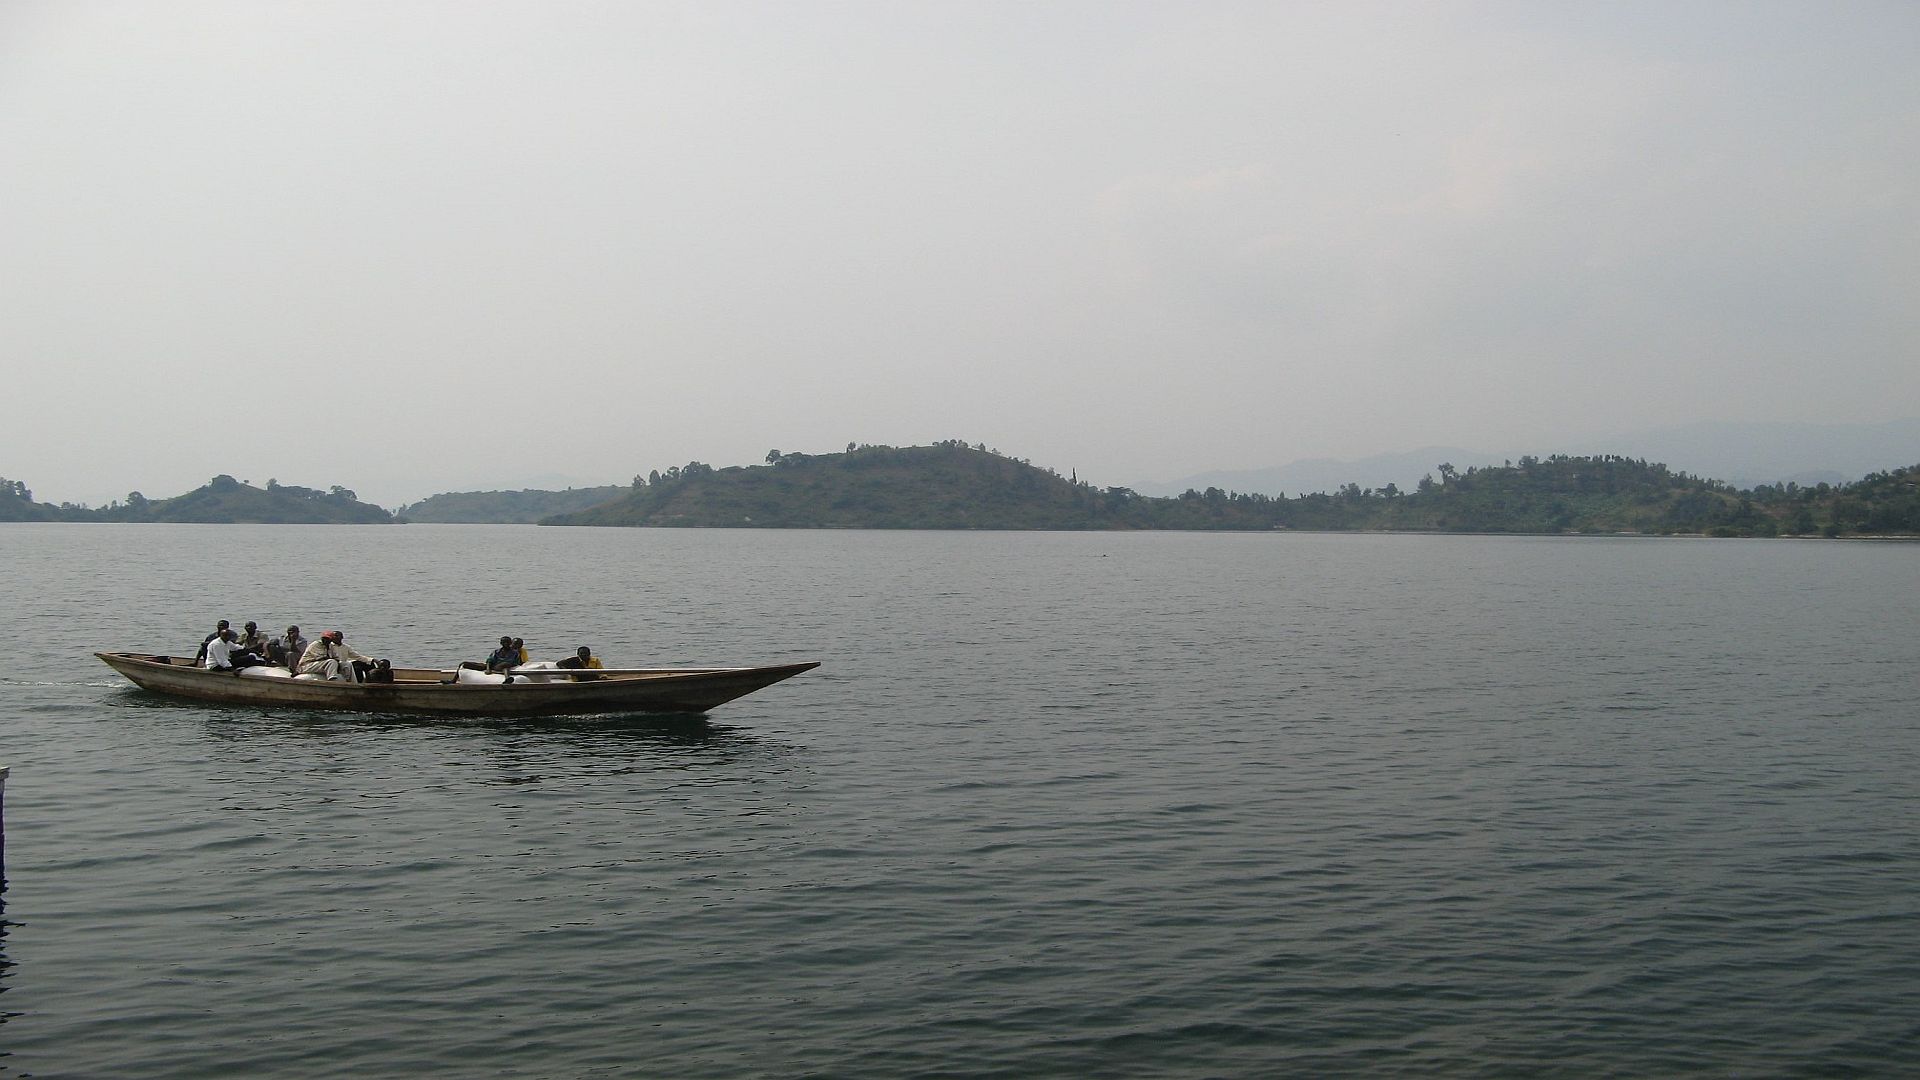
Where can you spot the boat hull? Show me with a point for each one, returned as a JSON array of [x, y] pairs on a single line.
[[420, 691]]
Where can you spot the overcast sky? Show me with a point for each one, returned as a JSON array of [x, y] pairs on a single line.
[[414, 247]]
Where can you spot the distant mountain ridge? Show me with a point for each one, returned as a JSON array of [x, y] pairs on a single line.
[[1743, 455], [951, 485], [948, 485], [506, 507], [1309, 475], [1750, 454], [220, 501]]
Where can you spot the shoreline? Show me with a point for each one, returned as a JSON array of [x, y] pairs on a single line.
[[1897, 538]]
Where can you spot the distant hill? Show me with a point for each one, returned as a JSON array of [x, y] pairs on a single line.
[[16, 504], [506, 507], [1741, 454], [954, 486], [1617, 494], [222, 500], [951, 485], [1330, 474], [944, 486]]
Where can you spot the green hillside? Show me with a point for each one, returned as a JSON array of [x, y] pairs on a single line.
[[224, 500], [951, 485], [946, 486], [506, 507], [1880, 503], [16, 504]]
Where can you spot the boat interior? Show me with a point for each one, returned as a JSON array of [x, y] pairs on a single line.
[[468, 675]]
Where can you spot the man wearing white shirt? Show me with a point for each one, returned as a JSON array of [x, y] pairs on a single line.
[[220, 652]]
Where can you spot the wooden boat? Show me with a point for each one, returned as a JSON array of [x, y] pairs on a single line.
[[426, 690]]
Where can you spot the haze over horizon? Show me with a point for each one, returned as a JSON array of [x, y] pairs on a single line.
[[434, 246]]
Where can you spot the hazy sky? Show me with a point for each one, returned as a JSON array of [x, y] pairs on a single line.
[[412, 247]]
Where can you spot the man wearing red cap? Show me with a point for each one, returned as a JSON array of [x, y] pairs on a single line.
[[330, 658]]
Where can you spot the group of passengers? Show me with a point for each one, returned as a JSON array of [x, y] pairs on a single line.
[[329, 657], [512, 655]]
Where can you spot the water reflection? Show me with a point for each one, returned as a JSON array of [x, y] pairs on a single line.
[[668, 728], [135, 698], [514, 751], [6, 965], [243, 722], [664, 729]]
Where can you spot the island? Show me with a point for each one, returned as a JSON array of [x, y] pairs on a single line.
[[220, 501], [952, 485], [522, 507]]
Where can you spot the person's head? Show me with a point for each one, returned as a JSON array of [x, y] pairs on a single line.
[[519, 643], [506, 643], [221, 625], [293, 631], [334, 636], [584, 653], [251, 627], [226, 634]]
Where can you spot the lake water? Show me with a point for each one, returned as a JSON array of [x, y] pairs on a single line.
[[1078, 805]]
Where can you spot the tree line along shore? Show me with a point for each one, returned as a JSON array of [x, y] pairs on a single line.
[[953, 485]]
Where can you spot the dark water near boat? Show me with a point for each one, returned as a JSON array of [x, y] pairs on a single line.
[[1056, 805]]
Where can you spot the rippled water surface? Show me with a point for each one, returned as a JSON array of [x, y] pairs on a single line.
[[1055, 805]]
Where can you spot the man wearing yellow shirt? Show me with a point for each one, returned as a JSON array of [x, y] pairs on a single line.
[[582, 658]]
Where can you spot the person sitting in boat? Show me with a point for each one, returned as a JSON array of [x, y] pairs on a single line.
[[292, 647], [252, 640], [520, 647], [331, 658], [225, 654], [200, 658], [582, 658], [506, 657]]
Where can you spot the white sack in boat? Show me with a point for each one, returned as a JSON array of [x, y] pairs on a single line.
[[534, 672], [265, 673], [480, 678]]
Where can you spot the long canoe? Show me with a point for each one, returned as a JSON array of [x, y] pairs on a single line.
[[425, 690]]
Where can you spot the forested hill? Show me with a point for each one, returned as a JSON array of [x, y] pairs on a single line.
[[16, 504], [222, 500], [945, 486], [506, 507], [952, 485]]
